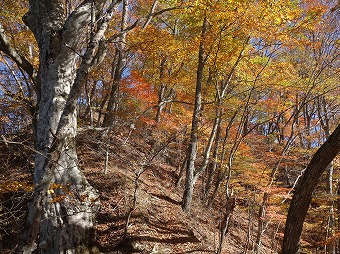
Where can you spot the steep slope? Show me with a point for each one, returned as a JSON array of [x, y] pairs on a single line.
[[157, 223]]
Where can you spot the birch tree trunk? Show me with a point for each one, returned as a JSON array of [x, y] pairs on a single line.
[[62, 214]]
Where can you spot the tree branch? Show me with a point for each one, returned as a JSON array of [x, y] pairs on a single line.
[[113, 37], [19, 59]]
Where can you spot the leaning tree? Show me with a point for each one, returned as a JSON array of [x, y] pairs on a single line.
[[303, 194], [71, 42]]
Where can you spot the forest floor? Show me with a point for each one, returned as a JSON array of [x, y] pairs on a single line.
[[157, 223]]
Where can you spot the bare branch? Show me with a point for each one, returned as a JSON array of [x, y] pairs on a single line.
[[114, 37], [19, 59], [150, 14]]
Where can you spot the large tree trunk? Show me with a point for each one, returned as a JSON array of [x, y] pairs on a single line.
[[62, 214], [303, 193]]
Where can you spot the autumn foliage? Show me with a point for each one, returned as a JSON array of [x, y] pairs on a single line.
[[270, 99]]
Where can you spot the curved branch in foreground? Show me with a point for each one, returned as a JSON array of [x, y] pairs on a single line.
[[19, 59], [303, 193]]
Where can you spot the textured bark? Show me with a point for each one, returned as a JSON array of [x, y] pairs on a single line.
[[303, 193], [62, 214]]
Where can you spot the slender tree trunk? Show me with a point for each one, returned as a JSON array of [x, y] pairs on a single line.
[[89, 95], [220, 177], [112, 100], [101, 110], [224, 226], [330, 248], [261, 223], [250, 226], [213, 165], [222, 174], [208, 148], [182, 169], [161, 91], [160, 106], [221, 91], [118, 70], [303, 193], [193, 142]]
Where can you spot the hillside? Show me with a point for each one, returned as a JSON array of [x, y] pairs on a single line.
[[157, 223]]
